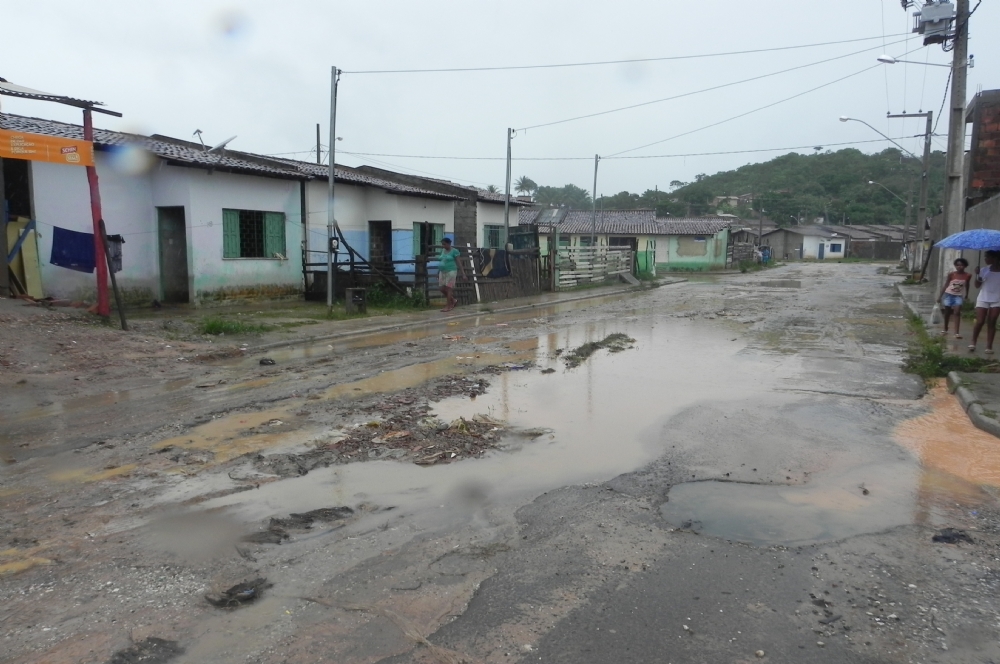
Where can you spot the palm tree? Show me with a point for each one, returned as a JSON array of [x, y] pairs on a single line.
[[493, 189], [525, 185]]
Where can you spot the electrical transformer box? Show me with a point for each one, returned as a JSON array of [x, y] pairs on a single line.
[[934, 22]]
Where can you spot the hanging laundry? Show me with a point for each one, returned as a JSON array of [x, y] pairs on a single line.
[[115, 243], [72, 249], [493, 263]]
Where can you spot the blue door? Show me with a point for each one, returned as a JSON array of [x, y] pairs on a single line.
[[822, 247]]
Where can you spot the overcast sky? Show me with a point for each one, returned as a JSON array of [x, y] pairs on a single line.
[[261, 70]]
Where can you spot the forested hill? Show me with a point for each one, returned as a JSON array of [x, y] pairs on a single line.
[[827, 184]]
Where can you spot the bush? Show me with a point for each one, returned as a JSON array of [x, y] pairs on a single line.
[[219, 326]]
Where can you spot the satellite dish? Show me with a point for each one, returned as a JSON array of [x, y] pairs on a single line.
[[221, 145]]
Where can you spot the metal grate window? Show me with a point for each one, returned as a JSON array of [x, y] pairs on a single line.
[[494, 237], [252, 234]]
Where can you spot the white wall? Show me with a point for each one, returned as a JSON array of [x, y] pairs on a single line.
[[61, 197], [491, 214], [810, 247]]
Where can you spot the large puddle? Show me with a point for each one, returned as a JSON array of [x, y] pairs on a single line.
[[957, 467], [602, 419]]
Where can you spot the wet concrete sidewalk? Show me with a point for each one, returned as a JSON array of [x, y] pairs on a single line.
[[346, 329], [978, 393]]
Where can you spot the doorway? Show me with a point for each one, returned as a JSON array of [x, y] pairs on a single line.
[[380, 244], [822, 249], [173, 254]]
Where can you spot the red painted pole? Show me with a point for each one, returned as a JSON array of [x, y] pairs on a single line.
[[100, 262]]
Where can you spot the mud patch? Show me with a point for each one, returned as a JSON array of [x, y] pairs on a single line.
[[150, 650], [615, 343]]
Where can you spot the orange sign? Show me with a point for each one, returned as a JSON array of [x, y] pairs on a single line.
[[37, 147]]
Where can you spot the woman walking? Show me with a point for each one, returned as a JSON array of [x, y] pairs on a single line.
[[448, 269], [988, 302], [954, 292]]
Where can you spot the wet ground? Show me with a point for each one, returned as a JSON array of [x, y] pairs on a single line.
[[751, 478]]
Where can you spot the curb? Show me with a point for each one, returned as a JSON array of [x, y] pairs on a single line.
[[954, 380], [984, 422], [972, 406], [910, 306], [393, 327]]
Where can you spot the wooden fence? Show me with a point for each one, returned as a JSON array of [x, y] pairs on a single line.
[[576, 266]]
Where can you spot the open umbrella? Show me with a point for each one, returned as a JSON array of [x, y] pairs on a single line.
[[979, 239]]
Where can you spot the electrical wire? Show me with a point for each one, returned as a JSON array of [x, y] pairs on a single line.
[[654, 156], [750, 112], [944, 98], [609, 62], [696, 92]]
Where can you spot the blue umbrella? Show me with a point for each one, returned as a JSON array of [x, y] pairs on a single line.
[[978, 239]]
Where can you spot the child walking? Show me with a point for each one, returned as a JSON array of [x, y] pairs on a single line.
[[954, 292]]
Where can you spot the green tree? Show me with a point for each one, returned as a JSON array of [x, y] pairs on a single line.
[[525, 185], [492, 189], [569, 195]]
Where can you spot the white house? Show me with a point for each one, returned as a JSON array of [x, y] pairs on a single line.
[[807, 243], [203, 226]]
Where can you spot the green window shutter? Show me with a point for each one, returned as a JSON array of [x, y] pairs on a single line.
[[230, 234], [274, 234], [416, 238], [438, 231]]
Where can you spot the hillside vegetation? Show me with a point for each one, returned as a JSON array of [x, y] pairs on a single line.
[[833, 185]]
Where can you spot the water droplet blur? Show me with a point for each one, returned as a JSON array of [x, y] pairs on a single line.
[[131, 159], [231, 23]]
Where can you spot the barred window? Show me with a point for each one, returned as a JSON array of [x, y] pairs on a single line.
[[493, 237], [253, 234]]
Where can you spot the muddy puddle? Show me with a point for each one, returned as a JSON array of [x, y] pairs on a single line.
[[586, 424], [954, 468]]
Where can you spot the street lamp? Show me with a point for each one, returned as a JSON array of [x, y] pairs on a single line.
[[889, 60], [889, 190], [844, 118]]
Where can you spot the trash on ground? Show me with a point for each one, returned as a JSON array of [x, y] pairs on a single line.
[[240, 594], [151, 650], [267, 362], [952, 536]]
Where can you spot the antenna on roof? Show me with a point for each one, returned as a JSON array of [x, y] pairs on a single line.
[[222, 145], [197, 132]]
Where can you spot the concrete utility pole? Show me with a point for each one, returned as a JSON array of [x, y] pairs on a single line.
[[921, 219], [331, 220], [319, 159], [954, 198], [593, 206], [506, 200]]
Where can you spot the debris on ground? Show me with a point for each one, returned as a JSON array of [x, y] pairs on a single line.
[[952, 536], [267, 362], [615, 343], [150, 650], [305, 520], [240, 594]]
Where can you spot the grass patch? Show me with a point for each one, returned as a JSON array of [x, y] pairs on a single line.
[[615, 343], [384, 297], [217, 326], [927, 357]]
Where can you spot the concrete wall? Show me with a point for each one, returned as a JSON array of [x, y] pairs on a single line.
[[811, 245], [216, 278], [491, 214], [356, 205], [688, 253], [61, 198]]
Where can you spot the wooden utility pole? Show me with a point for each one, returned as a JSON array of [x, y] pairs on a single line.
[[4, 279], [100, 259]]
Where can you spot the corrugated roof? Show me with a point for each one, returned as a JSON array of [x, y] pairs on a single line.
[[629, 222], [816, 231], [183, 152]]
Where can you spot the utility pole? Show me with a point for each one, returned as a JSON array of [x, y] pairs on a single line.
[[506, 200], [4, 279], [319, 159], [100, 261], [954, 199], [921, 218], [593, 206], [331, 220]]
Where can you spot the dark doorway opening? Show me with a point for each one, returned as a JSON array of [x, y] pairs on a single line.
[[380, 245], [17, 187], [173, 254]]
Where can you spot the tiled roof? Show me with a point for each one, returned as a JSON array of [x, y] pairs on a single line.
[[817, 231], [629, 222], [187, 153]]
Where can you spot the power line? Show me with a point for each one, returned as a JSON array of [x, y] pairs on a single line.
[[746, 113], [695, 92], [609, 62], [654, 156]]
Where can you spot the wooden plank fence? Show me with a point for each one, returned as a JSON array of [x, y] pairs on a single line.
[[576, 266]]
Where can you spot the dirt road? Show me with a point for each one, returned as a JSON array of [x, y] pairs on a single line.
[[750, 478]]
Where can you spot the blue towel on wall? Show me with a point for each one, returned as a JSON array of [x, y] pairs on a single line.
[[72, 249]]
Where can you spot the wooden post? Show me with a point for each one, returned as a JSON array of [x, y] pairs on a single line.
[[111, 272], [100, 261], [475, 277], [4, 279]]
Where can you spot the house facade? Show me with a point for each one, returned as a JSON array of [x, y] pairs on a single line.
[[659, 244], [806, 243], [206, 226]]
